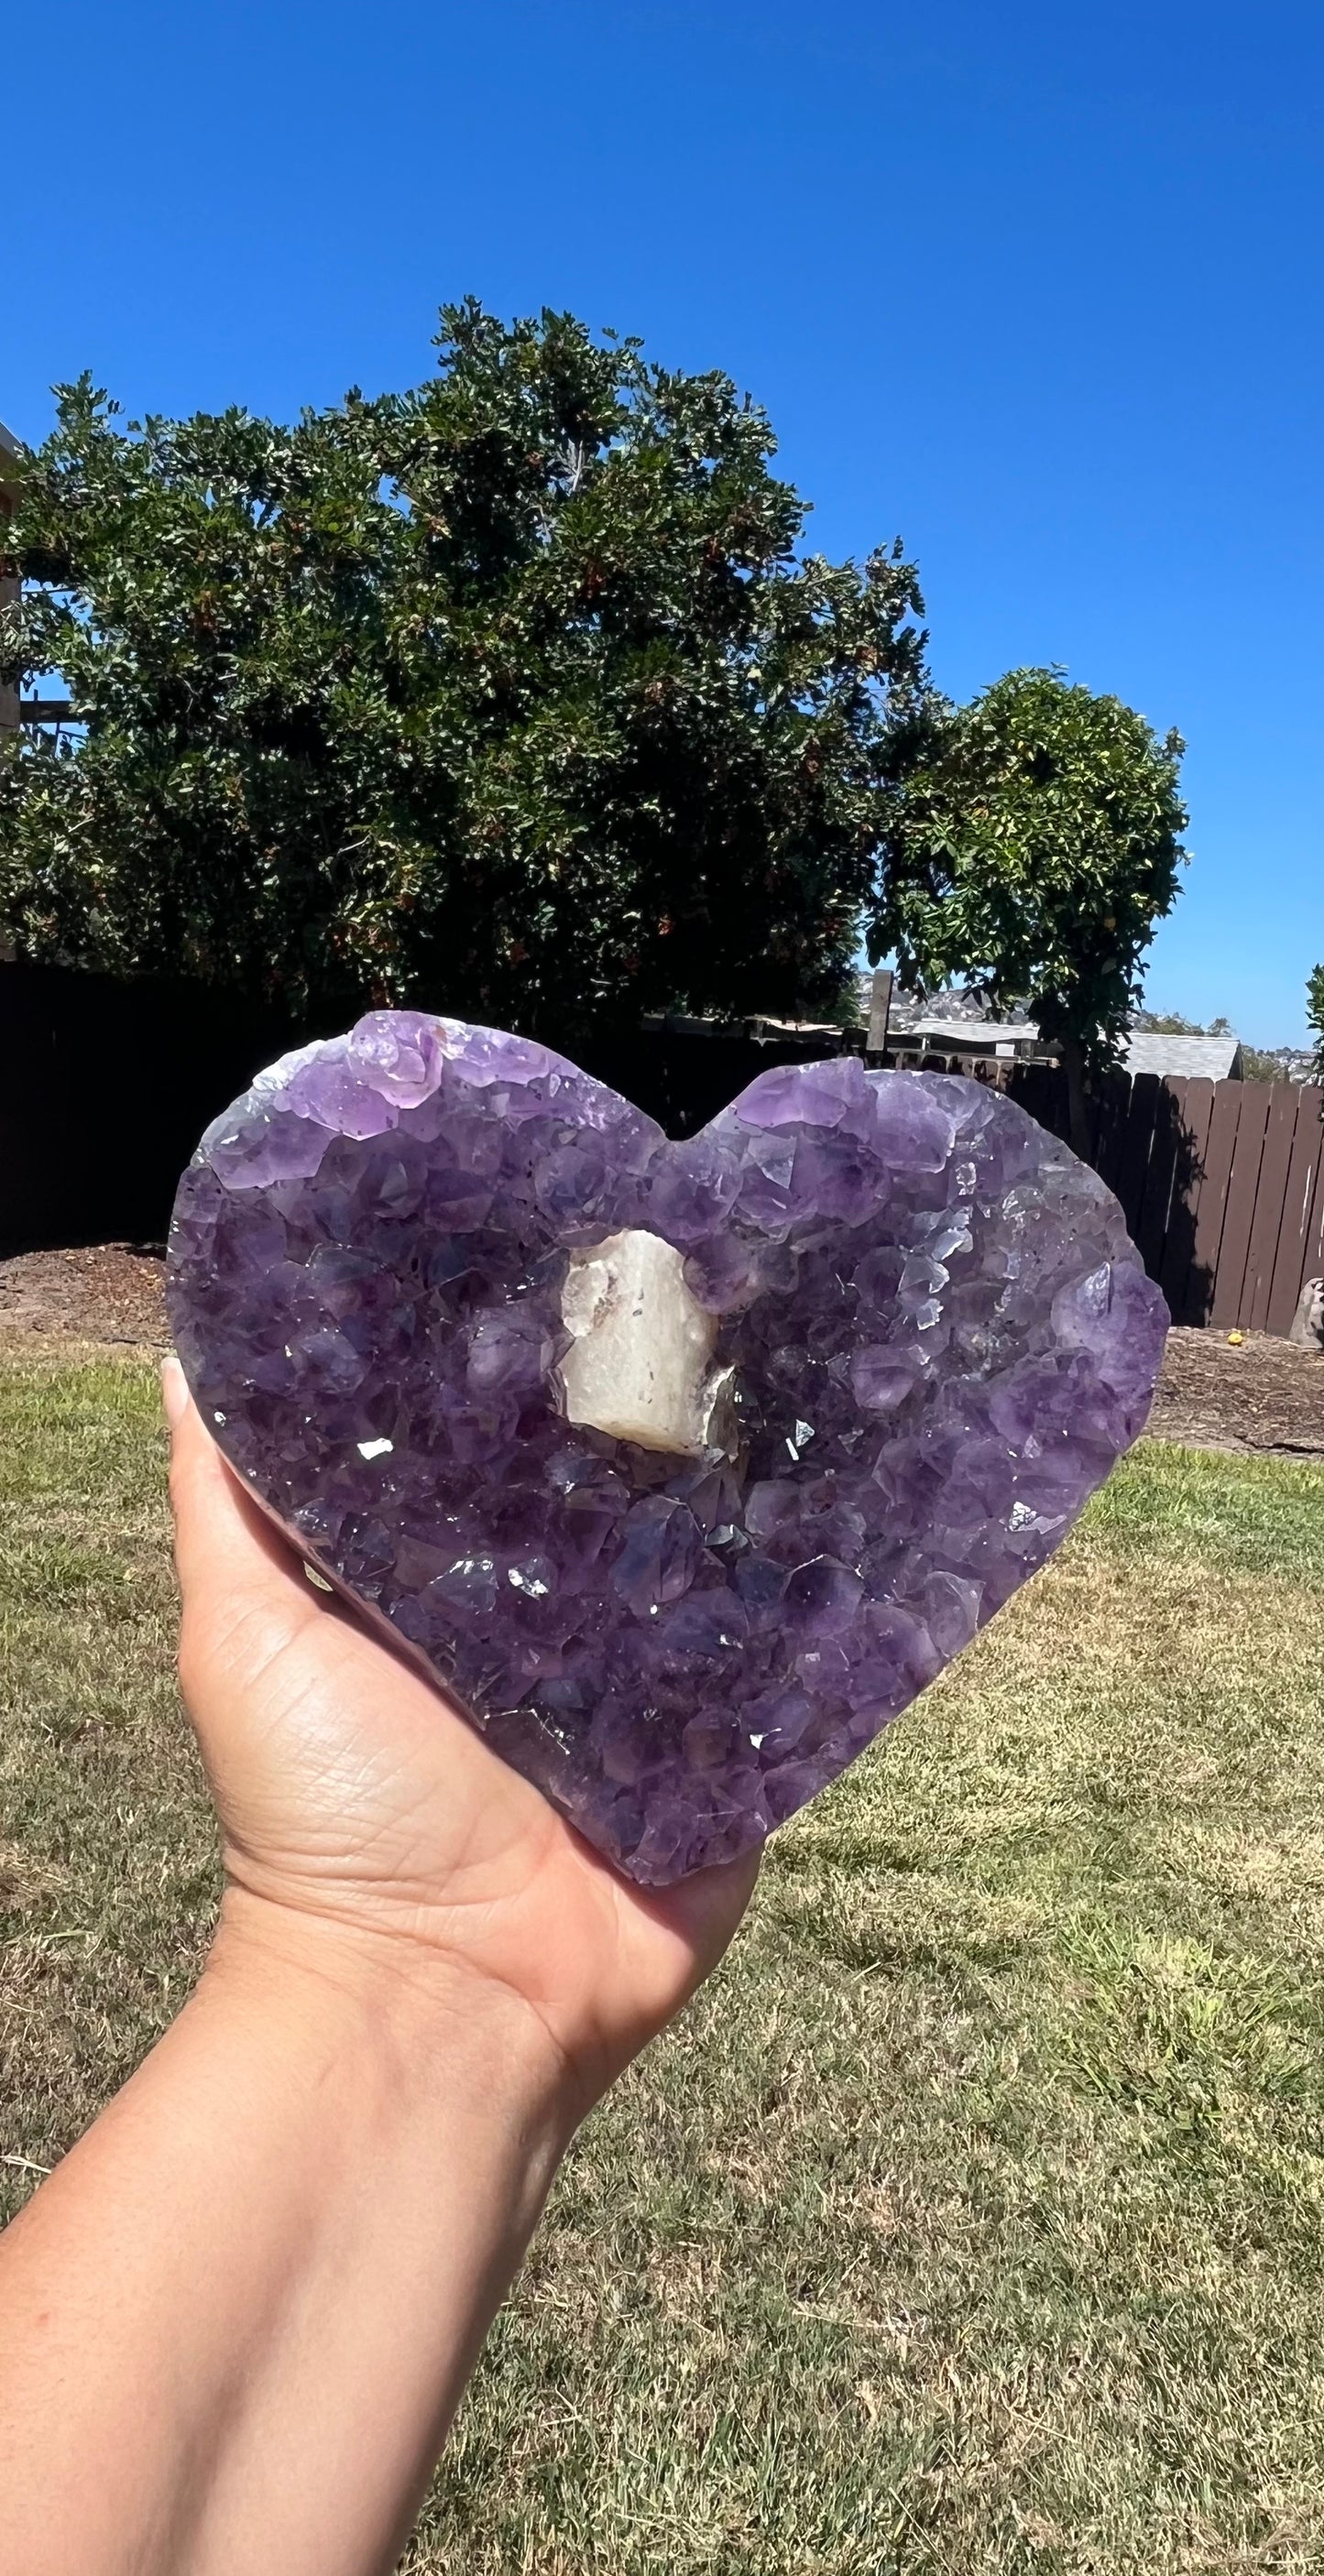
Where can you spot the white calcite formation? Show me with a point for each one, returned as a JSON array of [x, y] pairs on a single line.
[[640, 1364]]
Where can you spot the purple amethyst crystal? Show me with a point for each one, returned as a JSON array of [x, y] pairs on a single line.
[[923, 1338]]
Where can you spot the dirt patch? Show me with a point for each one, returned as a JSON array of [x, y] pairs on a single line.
[[100, 1292], [1262, 1393]]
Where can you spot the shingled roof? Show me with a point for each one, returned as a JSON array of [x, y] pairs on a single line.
[[1207, 1059], [956, 1019]]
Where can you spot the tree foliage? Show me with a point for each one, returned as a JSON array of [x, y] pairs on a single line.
[[1277, 1064], [1032, 850], [1174, 1024], [512, 694], [1315, 1021]]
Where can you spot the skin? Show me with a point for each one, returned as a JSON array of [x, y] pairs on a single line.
[[236, 2321]]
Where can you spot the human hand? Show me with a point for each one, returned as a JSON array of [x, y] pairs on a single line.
[[354, 1798], [236, 2321]]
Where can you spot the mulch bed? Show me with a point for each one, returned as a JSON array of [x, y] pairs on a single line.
[[99, 1292], [1263, 1394]]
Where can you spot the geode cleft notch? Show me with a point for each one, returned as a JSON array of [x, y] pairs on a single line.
[[682, 1466]]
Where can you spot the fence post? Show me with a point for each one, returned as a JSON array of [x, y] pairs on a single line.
[[880, 1004]]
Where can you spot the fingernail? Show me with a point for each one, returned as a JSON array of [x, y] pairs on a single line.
[[174, 1390]]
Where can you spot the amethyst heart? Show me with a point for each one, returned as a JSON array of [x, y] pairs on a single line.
[[683, 1466]]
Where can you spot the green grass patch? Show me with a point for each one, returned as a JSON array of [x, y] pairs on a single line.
[[972, 2219]]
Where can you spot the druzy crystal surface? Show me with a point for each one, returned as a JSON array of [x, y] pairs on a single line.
[[930, 1333]]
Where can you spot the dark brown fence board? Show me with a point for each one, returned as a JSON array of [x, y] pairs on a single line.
[[1312, 1105], [1304, 1258], [1175, 1269], [1133, 1161], [1270, 1198], [1052, 1110], [1040, 1090], [1312, 1266], [1298, 1198], [1111, 1107], [1211, 1207], [1151, 1226], [1243, 1187]]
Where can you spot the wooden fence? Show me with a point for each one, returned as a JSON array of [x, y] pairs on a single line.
[[1222, 1184], [105, 1088]]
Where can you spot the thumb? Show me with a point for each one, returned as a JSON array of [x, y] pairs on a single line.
[[225, 1549]]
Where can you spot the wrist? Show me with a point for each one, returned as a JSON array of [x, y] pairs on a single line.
[[421, 2028], [251, 2296]]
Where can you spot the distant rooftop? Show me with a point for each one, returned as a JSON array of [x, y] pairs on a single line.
[[1201, 1059], [956, 1019], [978, 1035]]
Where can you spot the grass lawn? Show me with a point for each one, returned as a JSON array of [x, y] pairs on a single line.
[[973, 2220]]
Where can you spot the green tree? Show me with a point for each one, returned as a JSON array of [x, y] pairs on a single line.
[[512, 694], [1174, 1024], [1031, 851], [1315, 1021]]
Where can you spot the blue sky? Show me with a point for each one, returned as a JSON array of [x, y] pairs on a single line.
[[1036, 287]]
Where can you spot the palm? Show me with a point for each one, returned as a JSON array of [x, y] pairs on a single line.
[[347, 1786]]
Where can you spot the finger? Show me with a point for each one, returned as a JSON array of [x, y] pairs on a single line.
[[223, 1544], [238, 1568]]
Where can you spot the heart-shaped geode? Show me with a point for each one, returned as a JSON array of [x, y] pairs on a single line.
[[682, 1466]]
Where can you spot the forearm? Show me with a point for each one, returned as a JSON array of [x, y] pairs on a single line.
[[234, 2324]]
